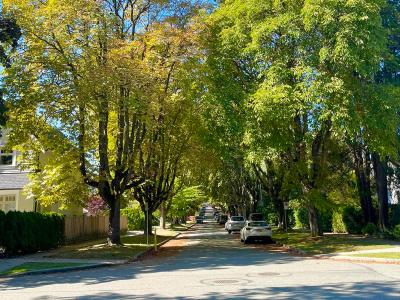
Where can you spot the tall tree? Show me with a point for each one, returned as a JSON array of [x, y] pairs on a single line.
[[83, 73]]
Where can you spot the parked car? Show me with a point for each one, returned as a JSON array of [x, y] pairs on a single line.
[[256, 231], [199, 219], [222, 219], [256, 217], [234, 223]]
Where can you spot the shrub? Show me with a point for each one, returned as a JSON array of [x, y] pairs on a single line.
[[369, 229], [301, 218], [2, 220], [28, 232], [395, 215], [353, 219], [396, 232], [325, 221], [136, 218], [338, 225]]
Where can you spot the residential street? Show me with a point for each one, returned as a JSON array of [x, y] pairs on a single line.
[[207, 263]]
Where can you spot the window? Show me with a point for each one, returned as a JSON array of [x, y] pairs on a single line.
[[6, 157], [7, 202]]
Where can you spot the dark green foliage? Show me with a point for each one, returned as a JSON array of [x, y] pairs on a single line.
[[396, 232], [353, 219], [28, 232], [394, 213], [2, 220], [325, 221], [301, 218], [370, 229], [10, 33]]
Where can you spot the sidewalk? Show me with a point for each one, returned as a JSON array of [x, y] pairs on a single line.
[[350, 256], [8, 263]]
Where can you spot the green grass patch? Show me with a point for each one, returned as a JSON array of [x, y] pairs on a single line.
[[36, 266], [132, 245], [330, 243], [391, 255]]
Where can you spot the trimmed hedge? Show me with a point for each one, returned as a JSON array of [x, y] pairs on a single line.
[[28, 232]]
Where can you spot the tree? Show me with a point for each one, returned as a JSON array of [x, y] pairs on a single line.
[[84, 73]]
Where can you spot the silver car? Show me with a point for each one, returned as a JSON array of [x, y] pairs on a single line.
[[256, 231], [234, 223]]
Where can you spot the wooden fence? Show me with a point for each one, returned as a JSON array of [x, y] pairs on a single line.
[[86, 227]]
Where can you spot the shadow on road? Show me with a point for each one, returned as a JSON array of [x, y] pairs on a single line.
[[207, 248]]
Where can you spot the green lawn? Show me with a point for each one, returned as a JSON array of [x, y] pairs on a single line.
[[132, 245], [35, 266], [330, 243], [392, 255]]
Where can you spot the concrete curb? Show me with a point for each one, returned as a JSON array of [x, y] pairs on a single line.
[[98, 265], [65, 269]]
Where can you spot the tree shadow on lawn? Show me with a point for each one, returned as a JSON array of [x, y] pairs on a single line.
[[351, 290]]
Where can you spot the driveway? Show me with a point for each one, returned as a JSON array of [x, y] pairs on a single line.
[[207, 263]]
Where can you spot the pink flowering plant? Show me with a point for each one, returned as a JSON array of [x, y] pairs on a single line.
[[96, 206]]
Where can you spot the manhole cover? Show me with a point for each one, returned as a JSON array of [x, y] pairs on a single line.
[[225, 281], [269, 274]]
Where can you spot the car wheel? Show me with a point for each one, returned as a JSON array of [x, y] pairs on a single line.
[[229, 231]]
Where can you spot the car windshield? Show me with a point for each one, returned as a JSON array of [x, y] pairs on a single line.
[[237, 218], [258, 224]]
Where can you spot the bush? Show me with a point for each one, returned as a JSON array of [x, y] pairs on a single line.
[[369, 229], [301, 218], [28, 232], [136, 218], [353, 219], [2, 230], [338, 225], [396, 232], [394, 211], [325, 221]]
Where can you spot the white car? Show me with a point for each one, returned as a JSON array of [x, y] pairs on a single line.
[[234, 223], [256, 230]]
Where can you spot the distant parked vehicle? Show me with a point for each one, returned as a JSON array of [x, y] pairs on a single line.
[[256, 217], [256, 231], [199, 219], [222, 219], [234, 223]]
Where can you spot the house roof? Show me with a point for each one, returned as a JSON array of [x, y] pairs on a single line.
[[13, 181]]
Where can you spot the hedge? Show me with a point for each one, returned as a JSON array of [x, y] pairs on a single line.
[[28, 232]]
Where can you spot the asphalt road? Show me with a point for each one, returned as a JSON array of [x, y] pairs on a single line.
[[215, 265]]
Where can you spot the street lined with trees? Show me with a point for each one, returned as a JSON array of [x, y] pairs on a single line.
[[248, 104]]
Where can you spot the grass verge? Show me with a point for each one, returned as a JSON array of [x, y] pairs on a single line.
[[36, 266], [390, 255], [132, 245], [330, 243]]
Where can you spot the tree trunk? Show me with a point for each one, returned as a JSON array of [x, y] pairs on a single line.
[[382, 190], [162, 216], [362, 171], [114, 229], [148, 222], [313, 219]]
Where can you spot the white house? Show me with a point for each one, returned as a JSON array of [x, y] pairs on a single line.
[[12, 182]]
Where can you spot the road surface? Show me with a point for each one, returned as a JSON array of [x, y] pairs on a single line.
[[214, 265]]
